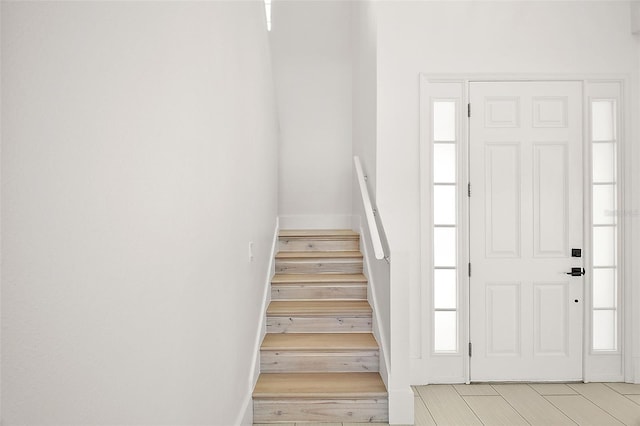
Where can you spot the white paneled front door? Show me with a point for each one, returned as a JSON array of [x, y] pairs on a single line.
[[526, 214]]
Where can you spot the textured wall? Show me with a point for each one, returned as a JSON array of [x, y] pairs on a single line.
[[139, 159]]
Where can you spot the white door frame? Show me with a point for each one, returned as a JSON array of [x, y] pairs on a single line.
[[457, 366]]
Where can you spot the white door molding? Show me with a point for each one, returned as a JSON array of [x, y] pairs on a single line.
[[430, 367]]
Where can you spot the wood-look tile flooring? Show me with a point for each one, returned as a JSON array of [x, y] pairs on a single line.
[[594, 404]]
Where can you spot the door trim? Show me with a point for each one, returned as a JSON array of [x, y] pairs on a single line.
[[425, 365]]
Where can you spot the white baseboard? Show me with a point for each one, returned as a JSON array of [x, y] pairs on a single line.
[[245, 416], [339, 221], [246, 413], [401, 409]]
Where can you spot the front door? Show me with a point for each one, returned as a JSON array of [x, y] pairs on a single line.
[[526, 216]]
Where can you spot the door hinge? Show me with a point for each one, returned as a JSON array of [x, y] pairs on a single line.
[[469, 268], [470, 351], [469, 110], [469, 189]]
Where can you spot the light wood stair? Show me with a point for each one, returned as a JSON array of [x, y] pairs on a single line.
[[319, 352], [319, 316], [320, 397], [318, 286], [319, 262], [318, 240], [319, 361]]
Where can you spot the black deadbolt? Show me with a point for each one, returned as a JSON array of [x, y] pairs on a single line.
[[576, 252]]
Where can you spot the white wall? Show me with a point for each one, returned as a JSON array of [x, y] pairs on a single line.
[[474, 37], [139, 159], [363, 42], [310, 41], [364, 32]]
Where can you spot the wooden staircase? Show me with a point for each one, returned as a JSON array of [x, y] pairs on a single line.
[[319, 361]]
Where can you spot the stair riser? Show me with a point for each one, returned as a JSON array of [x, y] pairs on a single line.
[[292, 410], [318, 362], [319, 266], [343, 324], [310, 291], [296, 244]]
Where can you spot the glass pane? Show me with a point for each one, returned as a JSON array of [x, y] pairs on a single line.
[[604, 330], [604, 288], [444, 121], [444, 246], [604, 246], [445, 336], [444, 205], [602, 120], [444, 163], [604, 162], [604, 204], [444, 289]]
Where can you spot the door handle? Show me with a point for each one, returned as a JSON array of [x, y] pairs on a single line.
[[576, 272]]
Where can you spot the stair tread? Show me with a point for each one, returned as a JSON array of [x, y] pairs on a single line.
[[320, 385], [318, 278], [319, 233], [318, 307], [319, 341], [317, 254]]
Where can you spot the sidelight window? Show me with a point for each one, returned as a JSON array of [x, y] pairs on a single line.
[[445, 231], [604, 198]]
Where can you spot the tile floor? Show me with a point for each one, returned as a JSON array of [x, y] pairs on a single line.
[[596, 404]]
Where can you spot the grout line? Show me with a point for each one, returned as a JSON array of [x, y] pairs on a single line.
[[560, 409], [627, 396], [598, 405], [619, 393], [467, 404], [455, 389], [509, 404], [426, 405], [535, 390], [474, 413]]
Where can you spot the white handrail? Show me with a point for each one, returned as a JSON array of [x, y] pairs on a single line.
[[368, 211]]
